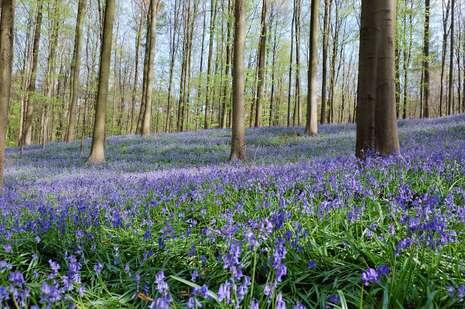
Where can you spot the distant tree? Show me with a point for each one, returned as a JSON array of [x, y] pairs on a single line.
[[97, 154], [376, 108], [312, 103], [7, 15], [238, 130], [75, 69]]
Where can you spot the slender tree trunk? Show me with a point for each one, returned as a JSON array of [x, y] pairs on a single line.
[[172, 63], [227, 71], [291, 61], [311, 128], [296, 116], [238, 130], [273, 76], [445, 34], [261, 65], [97, 154], [326, 27], [75, 68], [7, 15], [50, 77], [26, 139], [209, 64], [148, 80], [426, 61], [450, 99]]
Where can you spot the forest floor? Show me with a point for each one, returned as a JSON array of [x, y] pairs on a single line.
[[167, 221]]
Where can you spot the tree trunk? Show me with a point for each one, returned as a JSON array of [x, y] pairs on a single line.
[[261, 65], [148, 79], [238, 130], [7, 15], [26, 139], [209, 64], [75, 68], [387, 140], [326, 27], [311, 128], [291, 60], [426, 61], [296, 117], [97, 154], [450, 98], [366, 98], [50, 77]]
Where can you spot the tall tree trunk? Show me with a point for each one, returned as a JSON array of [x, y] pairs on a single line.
[[296, 117], [238, 130], [366, 98], [261, 65], [26, 139], [450, 99], [426, 61], [209, 64], [326, 27], [311, 128], [445, 34], [51, 63], [148, 79], [136, 74], [273, 75], [387, 140], [227, 70], [97, 154], [172, 63], [291, 62], [7, 15], [75, 68]]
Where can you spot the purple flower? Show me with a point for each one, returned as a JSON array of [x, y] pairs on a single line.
[[311, 264], [224, 292], [280, 303], [162, 286], [98, 268], [370, 276], [16, 278]]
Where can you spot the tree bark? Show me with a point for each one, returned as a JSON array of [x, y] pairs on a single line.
[[326, 25], [366, 98], [450, 98], [261, 65], [97, 154], [209, 60], [7, 15], [75, 68], [148, 78], [387, 140], [238, 130], [26, 139], [311, 128], [426, 74]]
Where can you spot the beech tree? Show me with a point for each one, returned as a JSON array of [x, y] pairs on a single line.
[[146, 105], [26, 138], [238, 130], [376, 108], [312, 104], [7, 15], [97, 153], [75, 68]]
